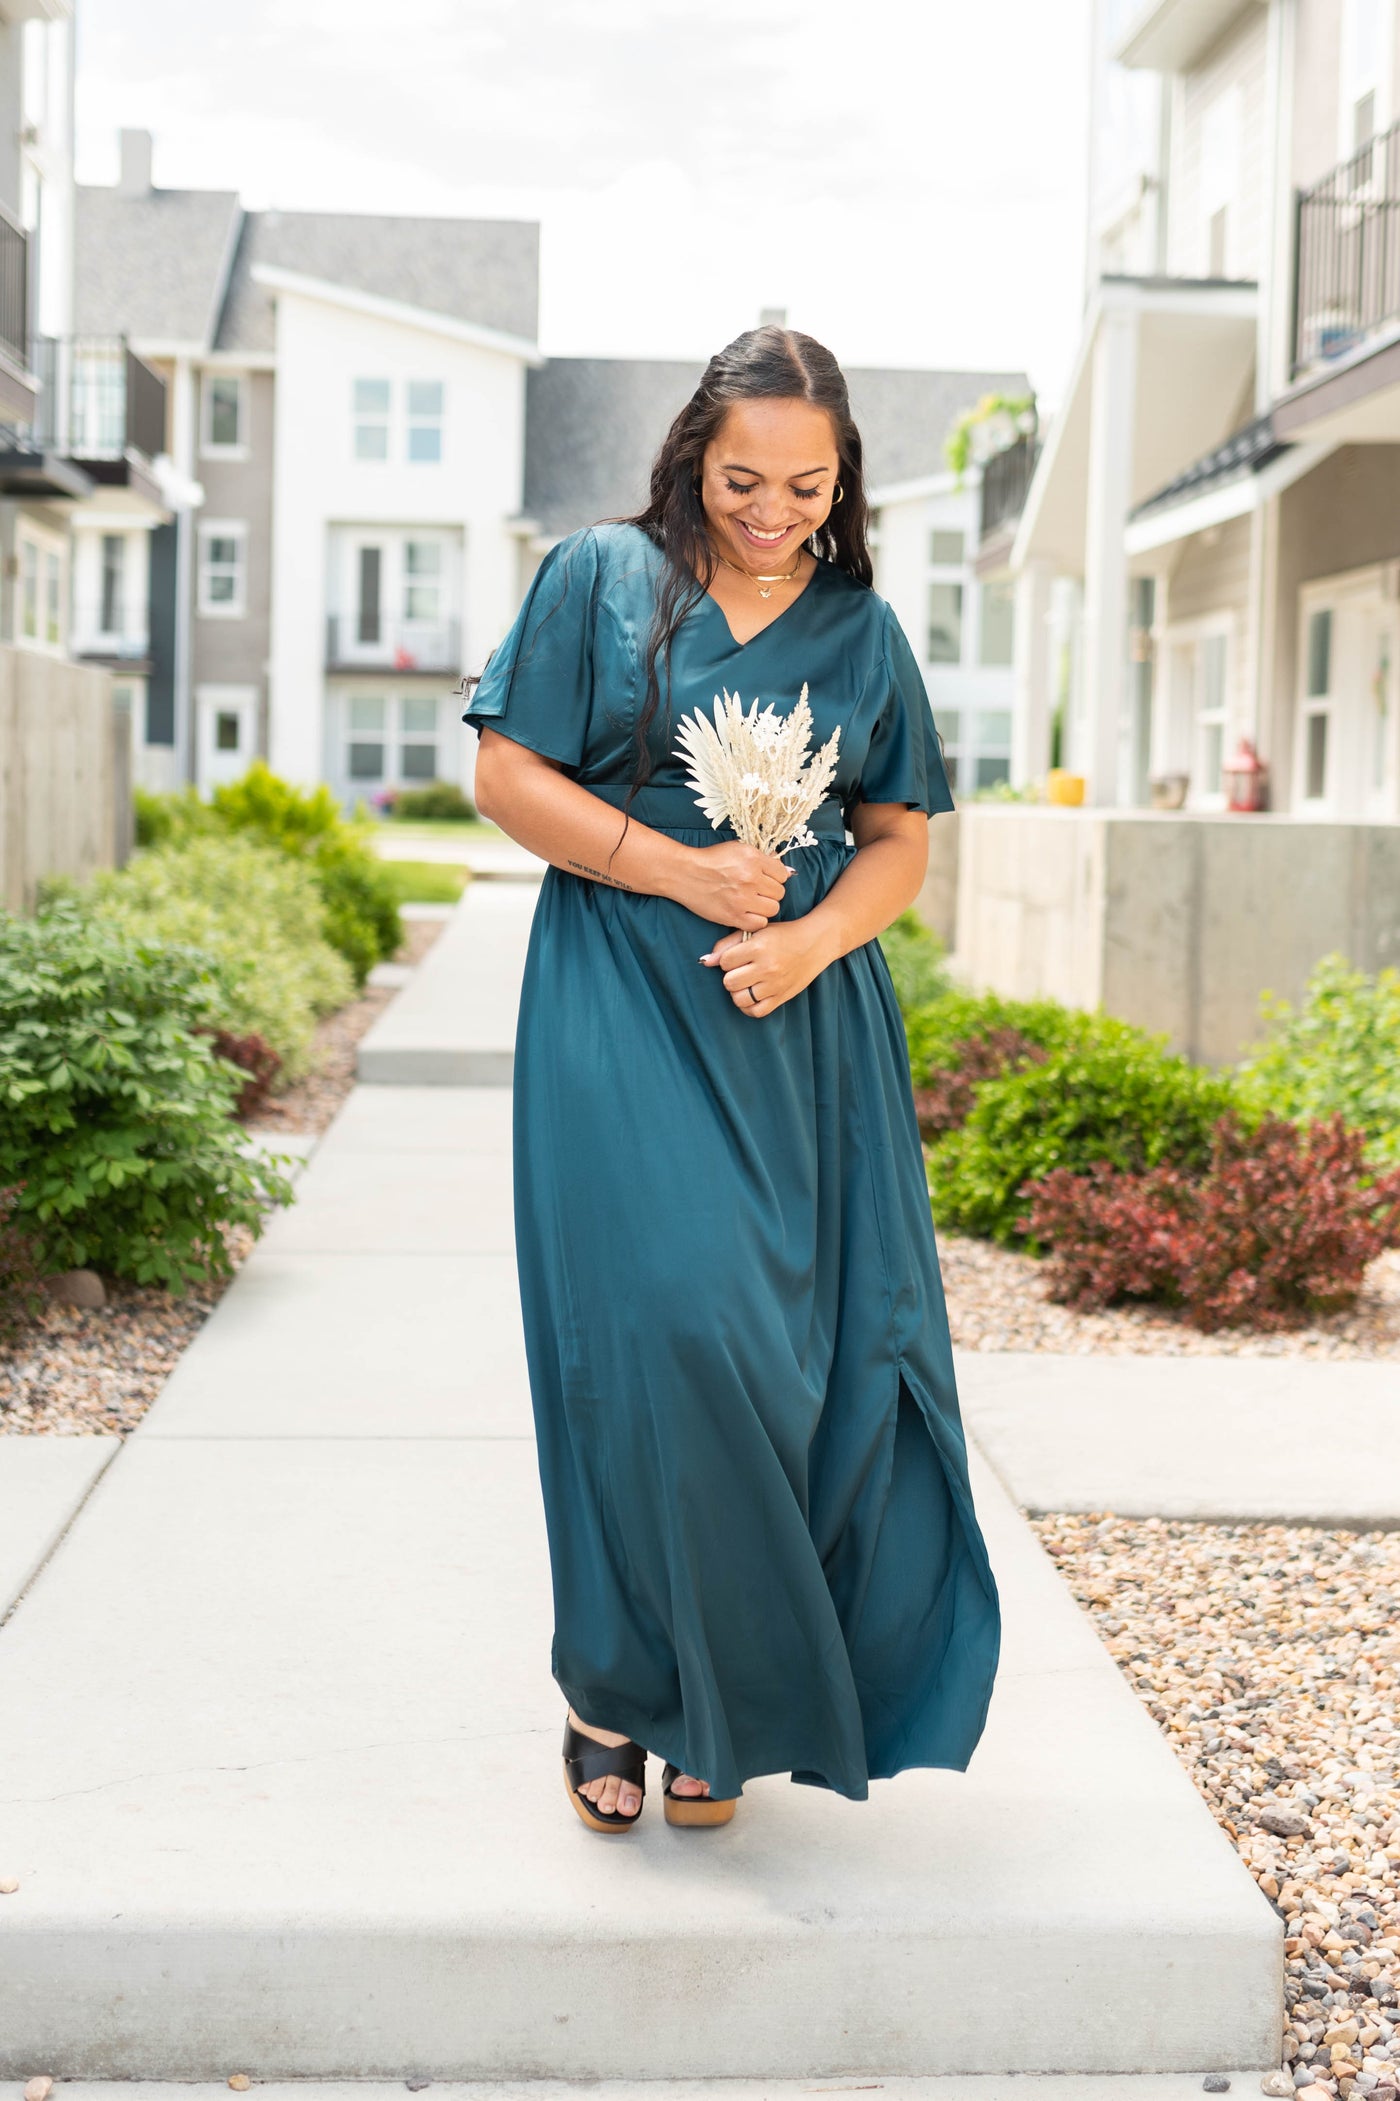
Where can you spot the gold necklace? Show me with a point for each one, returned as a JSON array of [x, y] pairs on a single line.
[[785, 577]]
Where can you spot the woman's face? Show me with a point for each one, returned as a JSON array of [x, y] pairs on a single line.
[[767, 481]]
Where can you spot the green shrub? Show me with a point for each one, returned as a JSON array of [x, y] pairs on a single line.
[[1338, 1050], [256, 914], [915, 957], [439, 801], [21, 1287], [937, 1032], [361, 914], [1119, 1098], [116, 1130]]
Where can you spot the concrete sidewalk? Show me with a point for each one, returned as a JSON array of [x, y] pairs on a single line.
[[290, 1800]]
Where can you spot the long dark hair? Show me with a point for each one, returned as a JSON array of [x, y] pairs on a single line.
[[767, 363]]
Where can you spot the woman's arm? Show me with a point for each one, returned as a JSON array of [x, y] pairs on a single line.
[[883, 876], [533, 799]]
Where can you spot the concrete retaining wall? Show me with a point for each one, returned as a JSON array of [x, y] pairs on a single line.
[[937, 902], [65, 788], [1174, 922]]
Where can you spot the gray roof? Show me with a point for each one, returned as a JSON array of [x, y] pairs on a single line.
[[151, 266], [485, 271], [593, 425], [154, 266]]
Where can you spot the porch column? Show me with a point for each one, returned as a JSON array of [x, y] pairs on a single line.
[[1030, 655], [1105, 554]]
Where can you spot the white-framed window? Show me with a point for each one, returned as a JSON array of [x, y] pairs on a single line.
[[996, 612], [1199, 661], [1319, 658], [947, 551], [422, 579], [371, 402], [223, 430], [1212, 710], [223, 569], [391, 739], [1220, 182], [976, 745], [424, 407], [111, 599], [1363, 74], [42, 588]]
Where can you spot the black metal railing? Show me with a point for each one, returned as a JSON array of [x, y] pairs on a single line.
[[357, 641], [97, 400], [1006, 478], [1347, 253], [14, 289]]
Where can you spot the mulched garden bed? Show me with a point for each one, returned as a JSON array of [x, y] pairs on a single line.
[[78, 1373], [1268, 1655]]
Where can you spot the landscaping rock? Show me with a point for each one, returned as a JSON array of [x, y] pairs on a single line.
[[77, 1287]]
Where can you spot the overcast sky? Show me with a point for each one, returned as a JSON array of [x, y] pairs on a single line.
[[906, 177]]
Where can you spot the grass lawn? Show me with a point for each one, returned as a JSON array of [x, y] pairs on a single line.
[[426, 882], [446, 828]]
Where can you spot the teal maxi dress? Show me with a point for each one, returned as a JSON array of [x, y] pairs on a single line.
[[764, 1549]]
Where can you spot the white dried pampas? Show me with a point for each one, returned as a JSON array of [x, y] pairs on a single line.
[[757, 770]]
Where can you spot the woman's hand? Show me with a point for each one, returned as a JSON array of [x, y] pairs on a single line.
[[732, 884], [778, 963]]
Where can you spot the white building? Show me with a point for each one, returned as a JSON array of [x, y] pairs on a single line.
[[1220, 491]]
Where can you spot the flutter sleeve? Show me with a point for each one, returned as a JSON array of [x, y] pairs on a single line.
[[904, 762], [537, 686]]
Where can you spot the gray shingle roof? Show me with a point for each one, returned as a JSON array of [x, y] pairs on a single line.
[[484, 271], [150, 266], [592, 426]]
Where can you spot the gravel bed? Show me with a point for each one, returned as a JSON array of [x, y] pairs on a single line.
[[76, 1372], [996, 1301], [1268, 1655]]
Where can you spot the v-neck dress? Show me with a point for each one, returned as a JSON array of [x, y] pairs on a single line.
[[764, 1549]]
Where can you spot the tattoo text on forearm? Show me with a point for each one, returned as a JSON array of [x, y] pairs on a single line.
[[598, 875]]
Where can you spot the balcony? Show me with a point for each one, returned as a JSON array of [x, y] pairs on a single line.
[[367, 641], [16, 382], [1347, 254], [1006, 479], [115, 635], [98, 420]]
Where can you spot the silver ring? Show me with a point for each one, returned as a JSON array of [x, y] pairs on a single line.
[[752, 995]]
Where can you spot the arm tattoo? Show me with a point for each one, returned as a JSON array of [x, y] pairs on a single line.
[[599, 876]]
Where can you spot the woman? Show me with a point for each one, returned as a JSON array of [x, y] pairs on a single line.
[[764, 1549]]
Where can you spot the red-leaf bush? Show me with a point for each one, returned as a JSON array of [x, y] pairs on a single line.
[[256, 1060], [945, 1103], [1279, 1227]]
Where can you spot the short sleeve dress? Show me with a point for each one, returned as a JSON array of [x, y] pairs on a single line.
[[764, 1549]]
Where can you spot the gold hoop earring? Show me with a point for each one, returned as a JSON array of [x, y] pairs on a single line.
[[839, 497]]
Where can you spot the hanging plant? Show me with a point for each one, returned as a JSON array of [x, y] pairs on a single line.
[[1015, 413]]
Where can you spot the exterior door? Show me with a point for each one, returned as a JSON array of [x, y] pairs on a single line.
[[1381, 738], [225, 716]]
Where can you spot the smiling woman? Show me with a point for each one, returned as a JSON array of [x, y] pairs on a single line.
[[764, 1548]]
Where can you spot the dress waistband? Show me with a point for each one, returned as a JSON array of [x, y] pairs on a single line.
[[676, 810]]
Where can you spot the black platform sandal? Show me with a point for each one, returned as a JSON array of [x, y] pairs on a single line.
[[586, 1759], [692, 1809]]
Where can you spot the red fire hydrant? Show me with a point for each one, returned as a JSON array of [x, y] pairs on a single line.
[[1246, 779]]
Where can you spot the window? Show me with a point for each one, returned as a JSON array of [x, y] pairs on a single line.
[[1220, 180], [223, 549], [945, 548], [53, 598], [225, 425], [1210, 716], [109, 613], [1364, 68], [371, 404], [392, 737], [945, 623], [371, 569], [422, 591], [367, 748], [1317, 704], [992, 770], [29, 589], [425, 419], [994, 643], [227, 726]]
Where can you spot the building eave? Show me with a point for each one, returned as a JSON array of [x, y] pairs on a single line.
[[295, 284]]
